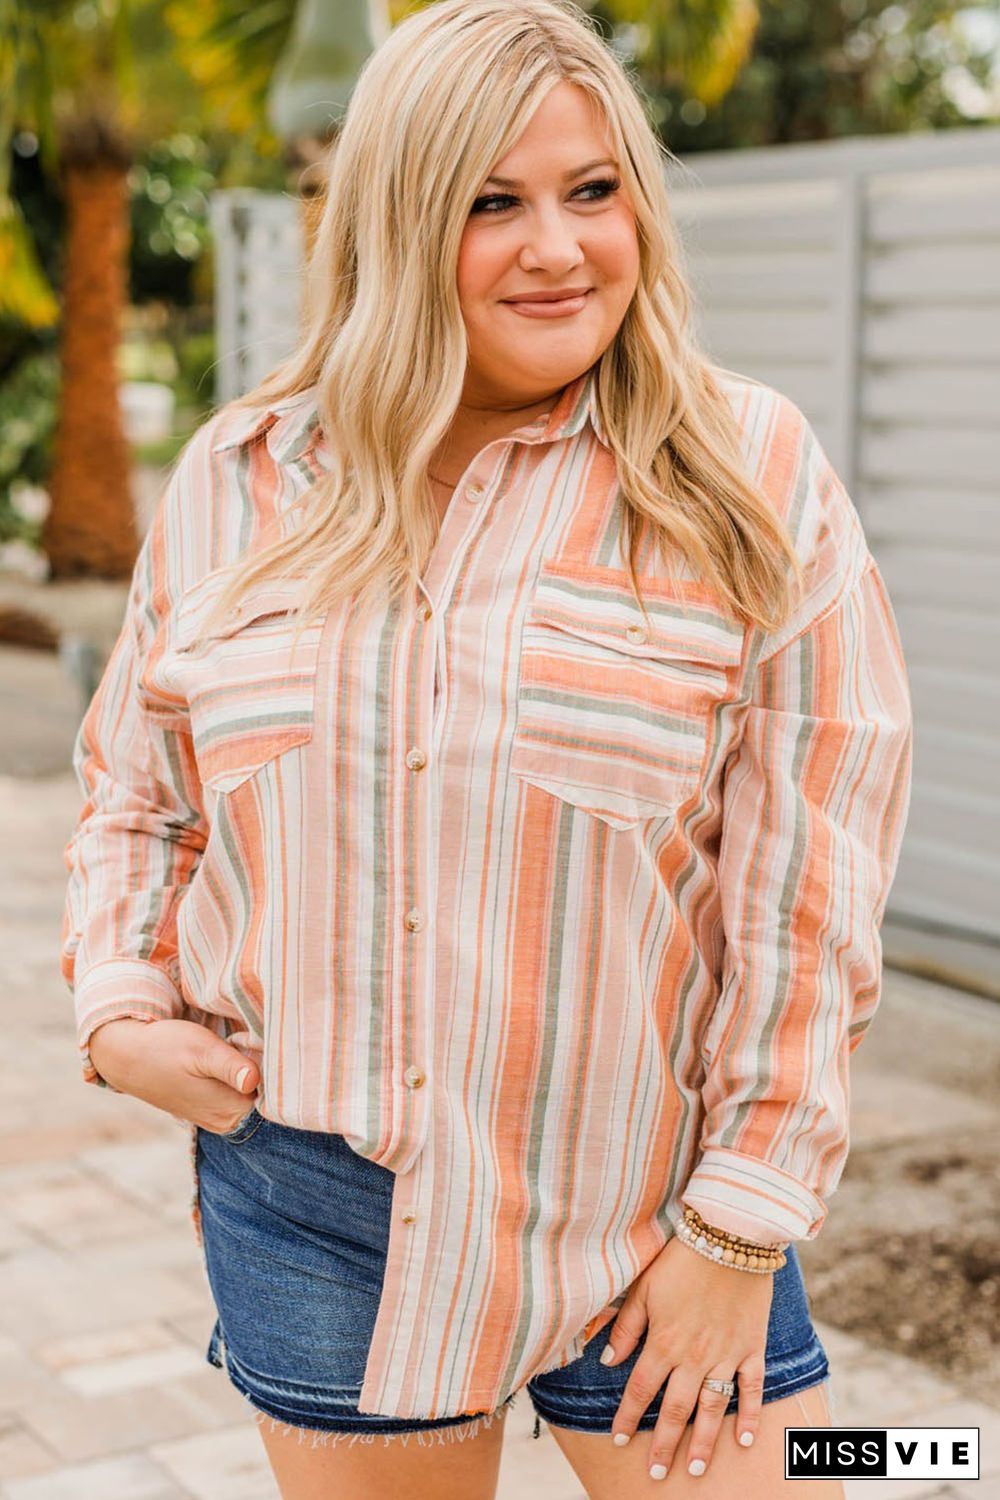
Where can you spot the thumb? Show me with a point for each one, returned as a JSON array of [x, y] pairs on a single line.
[[246, 1077], [230, 1066]]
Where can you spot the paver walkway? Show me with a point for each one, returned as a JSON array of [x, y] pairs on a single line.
[[105, 1311]]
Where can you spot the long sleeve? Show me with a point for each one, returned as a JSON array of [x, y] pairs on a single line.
[[141, 830], [814, 807]]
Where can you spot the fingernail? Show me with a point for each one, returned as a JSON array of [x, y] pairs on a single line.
[[658, 1471], [696, 1466], [620, 1439], [746, 1438], [241, 1078], [607, 1354]]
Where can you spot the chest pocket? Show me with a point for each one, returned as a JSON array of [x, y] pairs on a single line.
[[250, 686], [612, 716]]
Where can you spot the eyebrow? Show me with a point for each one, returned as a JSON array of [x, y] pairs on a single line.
[[514, 182]]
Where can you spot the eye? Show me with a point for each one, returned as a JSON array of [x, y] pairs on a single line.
[[601, 187]]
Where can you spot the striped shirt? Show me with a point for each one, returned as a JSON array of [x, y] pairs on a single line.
[[564, 920]]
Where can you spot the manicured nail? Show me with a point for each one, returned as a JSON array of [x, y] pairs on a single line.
[[607, 1354], [620, 1439], [658, 1471], [746, 1438], [696, 1466], [241, 1078]]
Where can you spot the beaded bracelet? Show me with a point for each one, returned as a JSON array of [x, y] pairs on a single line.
[[729, 1249]]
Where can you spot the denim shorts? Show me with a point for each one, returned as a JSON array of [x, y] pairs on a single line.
[[295, 1229]]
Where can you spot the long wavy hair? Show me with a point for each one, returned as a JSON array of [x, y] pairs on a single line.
[[437, 104]]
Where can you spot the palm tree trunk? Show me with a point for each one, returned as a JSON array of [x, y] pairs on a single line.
[[91, 525]]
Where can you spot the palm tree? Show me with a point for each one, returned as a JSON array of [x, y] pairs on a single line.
[[276, 71], [699, 46], [66, 73]]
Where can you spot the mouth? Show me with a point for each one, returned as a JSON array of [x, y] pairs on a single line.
[[550, 305]]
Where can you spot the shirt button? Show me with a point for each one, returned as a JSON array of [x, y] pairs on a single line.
[[413, 1078], [409, 1218], [636, 633], [474, 491], [414, 920], [416, 759], [423, 611]]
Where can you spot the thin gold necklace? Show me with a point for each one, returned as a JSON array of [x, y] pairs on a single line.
[[451, 484]]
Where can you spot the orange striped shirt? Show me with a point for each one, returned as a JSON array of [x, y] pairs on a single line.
[[564, 921]]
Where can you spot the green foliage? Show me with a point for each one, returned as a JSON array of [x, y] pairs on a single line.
[[28, 403], [170, 188], [698, 46], [25, 295], [230, 48], [195, 384], [849, 67]]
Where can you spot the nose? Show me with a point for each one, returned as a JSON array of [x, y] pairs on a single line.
[[550, 243]]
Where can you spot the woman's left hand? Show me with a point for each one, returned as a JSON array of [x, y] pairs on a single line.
[[700, 1319]]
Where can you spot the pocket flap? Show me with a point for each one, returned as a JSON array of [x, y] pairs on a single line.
[[613, 714], [598, 605], [258, 604], [249, 683]]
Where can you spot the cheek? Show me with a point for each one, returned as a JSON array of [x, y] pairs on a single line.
[[616, 255], [480, 266]]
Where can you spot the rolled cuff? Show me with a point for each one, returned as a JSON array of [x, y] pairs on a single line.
[[752, 1198], [116, 989]]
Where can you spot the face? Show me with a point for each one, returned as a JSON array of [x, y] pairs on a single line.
[[561, 221]]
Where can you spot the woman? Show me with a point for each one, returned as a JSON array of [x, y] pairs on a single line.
[[499, 777]]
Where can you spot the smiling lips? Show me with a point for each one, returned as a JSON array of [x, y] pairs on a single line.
[[549, 304]]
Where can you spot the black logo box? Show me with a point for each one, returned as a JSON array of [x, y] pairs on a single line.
[[863, 1453]]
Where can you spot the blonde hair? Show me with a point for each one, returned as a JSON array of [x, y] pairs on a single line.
[[437, 104]]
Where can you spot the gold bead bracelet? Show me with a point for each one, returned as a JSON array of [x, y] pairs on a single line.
[[726, 1248]]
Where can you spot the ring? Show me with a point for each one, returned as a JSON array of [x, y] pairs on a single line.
[[724, 1387]]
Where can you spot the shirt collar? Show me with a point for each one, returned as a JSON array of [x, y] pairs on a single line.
[[576, 406], [292, 426]]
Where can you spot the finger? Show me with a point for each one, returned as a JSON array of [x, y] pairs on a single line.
[[750, 1388], [641, 1389], [707, 1423], [601, 1320], [628, 1329], [677, 1405]]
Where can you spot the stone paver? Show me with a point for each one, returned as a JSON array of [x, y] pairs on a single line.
[[132, 1477], [106, 1310]]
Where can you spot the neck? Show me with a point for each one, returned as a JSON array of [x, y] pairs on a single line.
[[473, 426]]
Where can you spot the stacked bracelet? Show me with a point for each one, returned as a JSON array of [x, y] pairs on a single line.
[[729, 1249]]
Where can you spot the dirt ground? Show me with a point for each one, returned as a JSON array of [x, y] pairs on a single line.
[[913, 1216]]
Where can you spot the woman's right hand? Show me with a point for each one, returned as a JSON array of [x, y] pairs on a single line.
[[178, 1066]]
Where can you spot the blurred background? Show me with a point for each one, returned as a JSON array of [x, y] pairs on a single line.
[[837, 190]]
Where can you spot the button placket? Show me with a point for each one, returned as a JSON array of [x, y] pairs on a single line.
[[443, 567], [416, 918]]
